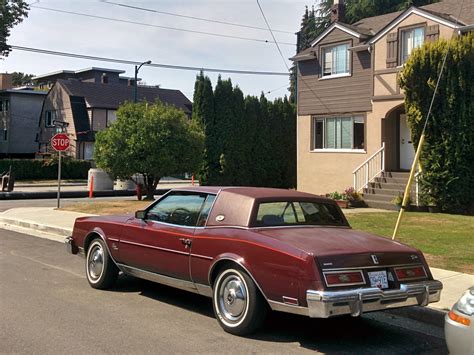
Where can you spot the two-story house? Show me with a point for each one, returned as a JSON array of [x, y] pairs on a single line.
[[87, 100], [351, 124], [20, 110]]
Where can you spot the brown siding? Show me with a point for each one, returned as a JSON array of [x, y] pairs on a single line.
[[339, 95], [57, 100]]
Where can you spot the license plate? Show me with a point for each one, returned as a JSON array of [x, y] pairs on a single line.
[[378, 279]]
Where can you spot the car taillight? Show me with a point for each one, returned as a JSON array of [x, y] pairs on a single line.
[[410, 273], [344, 278]]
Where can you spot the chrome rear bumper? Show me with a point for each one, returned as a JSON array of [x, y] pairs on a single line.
[[325, 304]]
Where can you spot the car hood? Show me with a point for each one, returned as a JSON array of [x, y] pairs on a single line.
[[325, 241]]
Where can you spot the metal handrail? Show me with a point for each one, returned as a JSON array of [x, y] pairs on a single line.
[[372, 168]]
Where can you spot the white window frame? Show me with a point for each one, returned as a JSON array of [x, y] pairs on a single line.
[[354, 119], [403, 37], [51, 115], [324, 50]]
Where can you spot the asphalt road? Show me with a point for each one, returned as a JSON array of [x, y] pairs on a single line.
[[47, 306]]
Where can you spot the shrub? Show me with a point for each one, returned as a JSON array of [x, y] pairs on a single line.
[[26, 169]]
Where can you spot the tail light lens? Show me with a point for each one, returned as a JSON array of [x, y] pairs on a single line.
[[344, 278], [410, 273]]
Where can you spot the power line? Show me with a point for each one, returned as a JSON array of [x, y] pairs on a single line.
[[155, 65], [158, 26], [191, 17], [286, 64]]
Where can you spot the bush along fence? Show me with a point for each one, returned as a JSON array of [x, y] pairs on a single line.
[[45, 169], [249, 141]]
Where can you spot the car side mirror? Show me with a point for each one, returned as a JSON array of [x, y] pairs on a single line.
[[140, 214]]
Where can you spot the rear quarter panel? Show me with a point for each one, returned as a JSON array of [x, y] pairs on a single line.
[[278, 268]]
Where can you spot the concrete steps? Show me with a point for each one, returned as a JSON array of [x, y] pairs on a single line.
[[385, 188]]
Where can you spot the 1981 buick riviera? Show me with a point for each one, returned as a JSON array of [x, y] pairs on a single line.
[[255, 249]]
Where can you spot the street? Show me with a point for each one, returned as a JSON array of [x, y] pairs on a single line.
[[47, 306]]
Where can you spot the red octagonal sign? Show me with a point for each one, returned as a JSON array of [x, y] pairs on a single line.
[[60, 142]]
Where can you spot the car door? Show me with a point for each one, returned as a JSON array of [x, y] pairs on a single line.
[[161, 242]]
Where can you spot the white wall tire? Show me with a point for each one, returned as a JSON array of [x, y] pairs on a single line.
[[101, 271], [238, 305]]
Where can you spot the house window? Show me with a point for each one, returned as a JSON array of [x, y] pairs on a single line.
[[7, 105], [1, 106], [411, 39], [5, 134], [335, 60], [339, 133], [88, 150], [49, 117], [111, 117]]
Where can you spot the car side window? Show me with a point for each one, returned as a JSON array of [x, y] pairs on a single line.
[[181, 209], [206, 208]]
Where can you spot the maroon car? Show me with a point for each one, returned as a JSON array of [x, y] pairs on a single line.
[[255, 249]]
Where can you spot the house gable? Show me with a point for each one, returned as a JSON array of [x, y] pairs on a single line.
[[337, 27], [427, 16]]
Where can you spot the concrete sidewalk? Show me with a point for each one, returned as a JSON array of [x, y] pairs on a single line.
[[47, 222]]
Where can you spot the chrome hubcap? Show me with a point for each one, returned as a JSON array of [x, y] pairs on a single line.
[[232, 298], [96, 262]]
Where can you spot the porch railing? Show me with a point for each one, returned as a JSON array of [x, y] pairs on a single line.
[[369, 169]]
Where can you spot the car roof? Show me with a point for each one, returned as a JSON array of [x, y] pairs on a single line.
[[234, 206], [252, 192]]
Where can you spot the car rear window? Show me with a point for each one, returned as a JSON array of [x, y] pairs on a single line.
[[298, 213]]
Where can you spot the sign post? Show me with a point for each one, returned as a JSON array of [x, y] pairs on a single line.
[[60, 142]]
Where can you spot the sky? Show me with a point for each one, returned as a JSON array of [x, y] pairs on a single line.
[[46, 29]]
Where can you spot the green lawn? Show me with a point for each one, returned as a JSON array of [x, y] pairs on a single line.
[[446, 240]]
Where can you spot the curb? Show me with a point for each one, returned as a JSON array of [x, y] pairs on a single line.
[[70, 194], [37, 226]]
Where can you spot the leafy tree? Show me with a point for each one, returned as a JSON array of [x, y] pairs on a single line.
[[21, 79], [249, 141], [154, 140], [12, 13], [447, 155], [203, 112]]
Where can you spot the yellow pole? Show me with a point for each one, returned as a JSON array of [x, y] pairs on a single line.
[[406, 195]]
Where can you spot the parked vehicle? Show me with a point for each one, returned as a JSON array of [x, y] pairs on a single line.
[[255, 249], [459, 325]]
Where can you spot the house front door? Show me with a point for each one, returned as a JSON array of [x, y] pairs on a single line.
[[407, 151]]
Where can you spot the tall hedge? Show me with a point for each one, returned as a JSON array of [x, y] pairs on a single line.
[[447, 158], [25, 169], [250, 141]]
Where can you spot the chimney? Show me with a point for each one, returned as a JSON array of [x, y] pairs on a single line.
[[337, 11], [6, 81], [104, 79]]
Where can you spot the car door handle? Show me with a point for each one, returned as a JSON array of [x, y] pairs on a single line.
[[186, 242]]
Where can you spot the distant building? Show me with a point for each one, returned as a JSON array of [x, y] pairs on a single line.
[[20, 110], [87, 101]]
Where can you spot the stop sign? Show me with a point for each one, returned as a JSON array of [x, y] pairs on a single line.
[[60, 142]]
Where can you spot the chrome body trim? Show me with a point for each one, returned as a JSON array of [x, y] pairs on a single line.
[[370, 267], [166, 280], [202, 256], [154, 247], [288, 308], [325, 304]]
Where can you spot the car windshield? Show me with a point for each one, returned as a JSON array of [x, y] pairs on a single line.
[[298, 213]]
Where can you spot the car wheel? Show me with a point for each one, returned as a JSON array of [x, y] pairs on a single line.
[[238, 305], [100, 269]]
